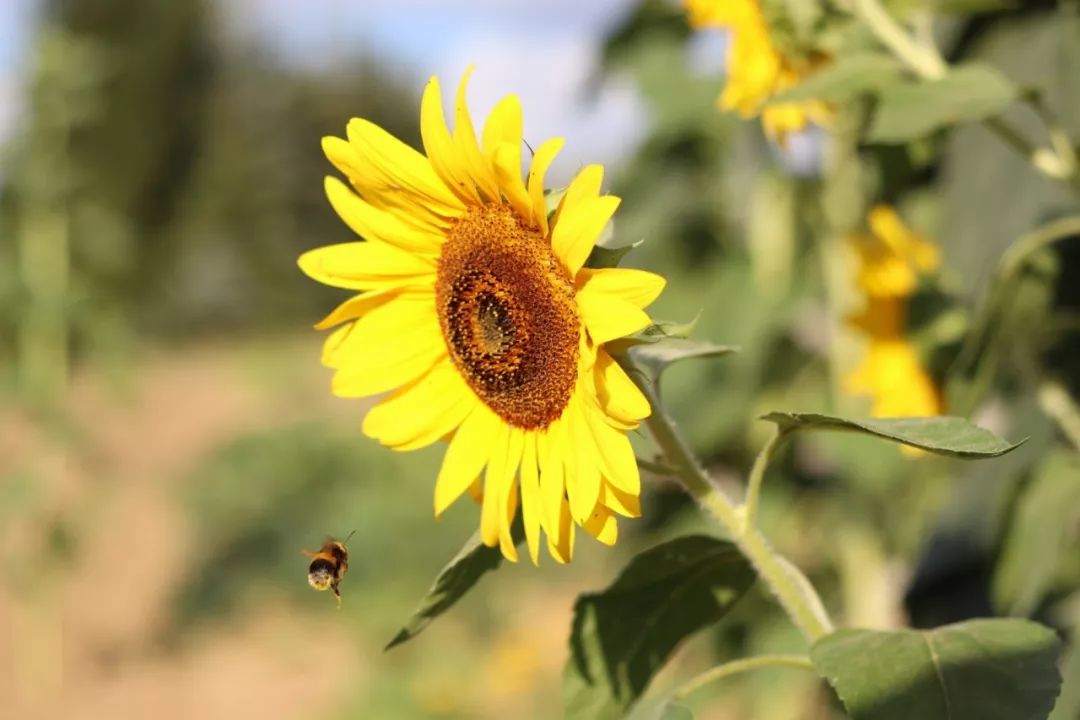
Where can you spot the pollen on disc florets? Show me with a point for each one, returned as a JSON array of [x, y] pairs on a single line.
[[506, 307]]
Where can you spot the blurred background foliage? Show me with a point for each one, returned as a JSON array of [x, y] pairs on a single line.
[[170, 444]]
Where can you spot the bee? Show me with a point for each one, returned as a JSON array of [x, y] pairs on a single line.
[[328, 566]]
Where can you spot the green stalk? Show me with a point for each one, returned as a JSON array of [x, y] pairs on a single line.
[[757, 475], [1057, 161], [922, 59], [793, 591], [740, 666]]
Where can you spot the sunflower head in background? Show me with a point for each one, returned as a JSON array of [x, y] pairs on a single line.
[[758, 69], [891, 259], [475, 312]]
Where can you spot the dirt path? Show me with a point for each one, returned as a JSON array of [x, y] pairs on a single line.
[[72, 633]]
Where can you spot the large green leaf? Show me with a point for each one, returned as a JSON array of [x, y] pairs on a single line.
[[1041, 530], [943, 435], [911, 110], [975, 670], [850, 76], [457, 578], [622, 635], [1068, 703]]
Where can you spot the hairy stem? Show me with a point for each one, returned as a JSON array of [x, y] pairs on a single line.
[[739, 666], [924, 60], [791, 588], [655, 467], [757, 475]]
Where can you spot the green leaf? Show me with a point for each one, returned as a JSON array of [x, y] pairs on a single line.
[[676, 711], [656, 332], [667, 329], [976, 670], [943, 435], [910, 110], [1042, 529], [967, 7], [1068, 702], [607, 256], [457, 578], [846, 78], [658, 356], [622, 635]]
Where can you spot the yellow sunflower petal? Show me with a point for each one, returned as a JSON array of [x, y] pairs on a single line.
[[440, 147], [357, 306], [582, 468], [508, 493], [616, 456], [602, 526], [423, 411], [388, 347], [608, 316], [509, 510], [476, 490], [541, 161], [364, 379], [507, 163], [494, 475], [584, 186], [625, 504], [552, 477], [385, 330], [530, 496], [366, 266], [502, 149], [616, 392], [396, 164], [465, 458], [573, 237], [411, 208], [333, 343], [561, 544], [465, 140], [371, 223], [637, 287], [503, 126]]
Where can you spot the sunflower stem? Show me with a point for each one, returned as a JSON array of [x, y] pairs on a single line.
[[739, 666], [793, 591], [757, 475], [656, 468], [1058, 161], [924, 60]]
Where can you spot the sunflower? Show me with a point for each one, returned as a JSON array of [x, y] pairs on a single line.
[[476, 313], [757, 70], [891, 256]]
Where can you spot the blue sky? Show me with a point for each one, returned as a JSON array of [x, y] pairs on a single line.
[[541, 50], [15, 21]]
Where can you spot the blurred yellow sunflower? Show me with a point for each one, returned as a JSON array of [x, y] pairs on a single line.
[[891, 256], [476, 311], [756, 69]]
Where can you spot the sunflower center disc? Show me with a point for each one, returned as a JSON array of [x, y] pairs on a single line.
[[507, 312]]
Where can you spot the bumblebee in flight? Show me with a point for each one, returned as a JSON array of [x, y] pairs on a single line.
[[328, 566]]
